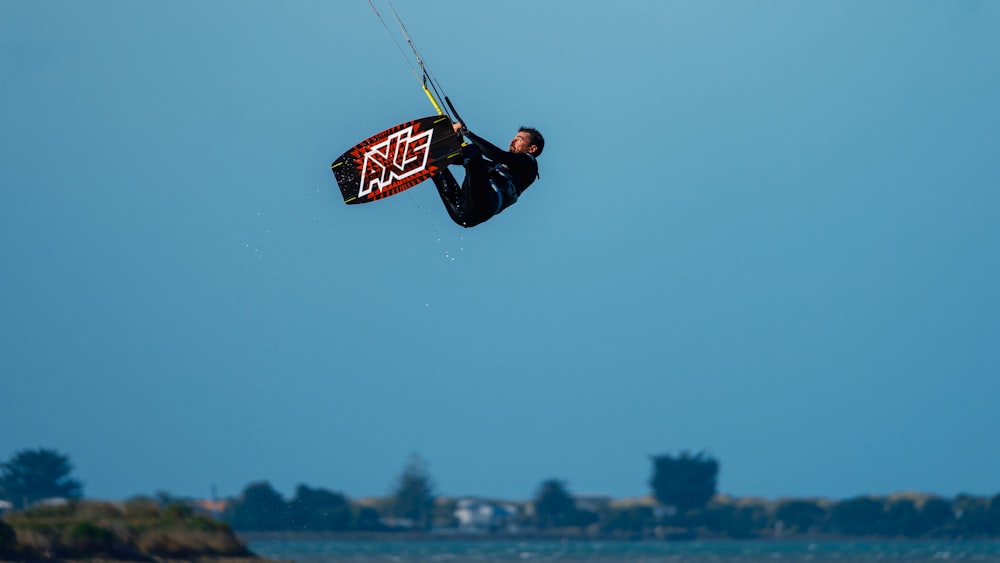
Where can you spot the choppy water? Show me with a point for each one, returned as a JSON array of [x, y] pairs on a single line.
[[623, 552]]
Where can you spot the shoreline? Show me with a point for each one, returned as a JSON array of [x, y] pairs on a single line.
[[248, 537]]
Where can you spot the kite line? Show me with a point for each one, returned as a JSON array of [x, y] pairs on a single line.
[[430, 84]]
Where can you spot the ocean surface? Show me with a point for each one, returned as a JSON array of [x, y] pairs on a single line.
[[425, 551]]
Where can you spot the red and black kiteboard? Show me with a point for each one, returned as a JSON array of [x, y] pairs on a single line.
[[397, 159]]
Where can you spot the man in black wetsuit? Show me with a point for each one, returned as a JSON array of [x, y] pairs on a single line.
[[492, 183]]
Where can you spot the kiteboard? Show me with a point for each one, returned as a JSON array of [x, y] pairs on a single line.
[[397, 159]]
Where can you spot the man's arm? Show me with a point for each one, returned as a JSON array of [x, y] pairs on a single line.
[[522, 166], [491, 151]]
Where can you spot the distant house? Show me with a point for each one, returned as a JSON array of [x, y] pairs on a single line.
[[394, 523], [660, 511], [592, 502], [211, 507], [54, 501], [5, 506], [482, 515]]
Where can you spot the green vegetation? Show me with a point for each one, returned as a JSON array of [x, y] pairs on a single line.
[[555, 511], [412, 507], [685, 481], [414, 496], [683, 503], [261, 508], [553, 504], [320, 510], [8, 539], [134, 530], [33, 475]]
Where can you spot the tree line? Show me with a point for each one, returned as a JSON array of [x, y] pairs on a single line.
[[683, 503]]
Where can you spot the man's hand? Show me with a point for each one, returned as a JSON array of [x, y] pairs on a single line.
[[459, 128]]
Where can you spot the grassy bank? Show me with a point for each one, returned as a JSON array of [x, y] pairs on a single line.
[[138, 530]]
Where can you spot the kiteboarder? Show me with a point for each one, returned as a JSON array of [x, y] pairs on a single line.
[[494, 178]]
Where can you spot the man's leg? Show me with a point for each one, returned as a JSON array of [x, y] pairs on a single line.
[[475, 200], [451, 194], [482, 200]]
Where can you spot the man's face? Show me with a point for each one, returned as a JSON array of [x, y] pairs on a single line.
[[521, 143]]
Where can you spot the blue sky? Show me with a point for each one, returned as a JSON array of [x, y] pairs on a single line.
[[768, 230]]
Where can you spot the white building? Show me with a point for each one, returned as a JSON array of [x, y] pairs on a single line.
[[474, 514]]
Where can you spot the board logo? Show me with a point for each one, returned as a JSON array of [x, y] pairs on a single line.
[[402, 155]]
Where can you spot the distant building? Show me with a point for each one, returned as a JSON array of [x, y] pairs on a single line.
[[394, 523], [210, 506], [632, 502], [662, 511], [5, 506], [592, 502], [484, 515], [54, 501]]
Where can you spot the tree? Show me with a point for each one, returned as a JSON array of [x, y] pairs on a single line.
[[367, 518], [937, 516], [553, 505], [33, 475], [634, 519], [903, 519], [319, 510], [8, 538], [971, 515], [260, 508], [414, 494], [684, 482], [859, 516], [800, 516], [993, 514], [738, 522]]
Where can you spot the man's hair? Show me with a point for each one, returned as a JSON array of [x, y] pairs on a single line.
[[536, 138]]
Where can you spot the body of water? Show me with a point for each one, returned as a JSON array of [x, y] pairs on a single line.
[[423, 551]]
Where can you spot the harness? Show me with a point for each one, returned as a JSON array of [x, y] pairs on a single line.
[[504, 187]]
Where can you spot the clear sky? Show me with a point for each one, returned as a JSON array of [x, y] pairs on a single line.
[[764, 229]]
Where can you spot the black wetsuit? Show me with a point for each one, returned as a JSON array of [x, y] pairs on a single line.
[[491, 184]]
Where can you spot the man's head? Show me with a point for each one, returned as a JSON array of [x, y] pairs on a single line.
[[528, 140]]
